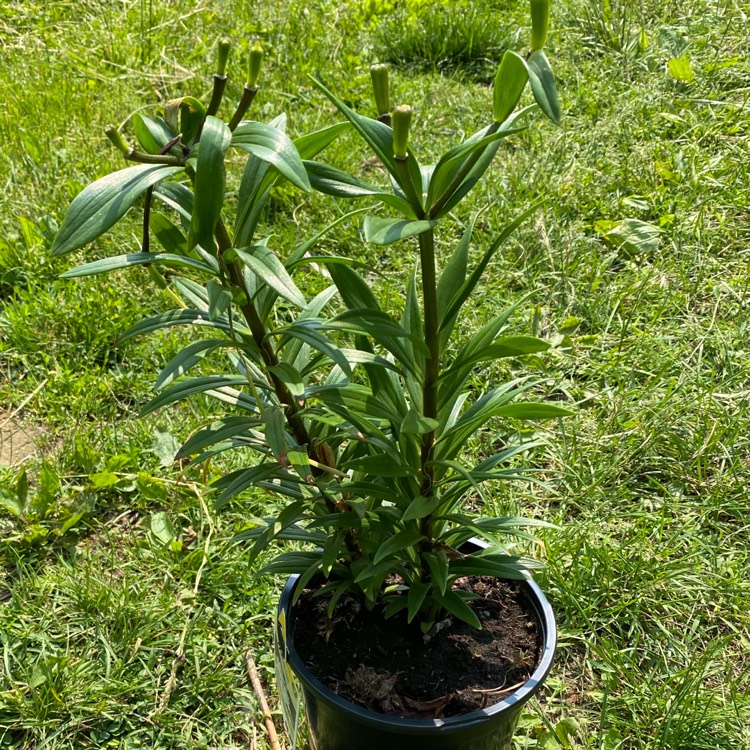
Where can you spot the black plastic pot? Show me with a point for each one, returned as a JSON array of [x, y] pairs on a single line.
[[337, 724]]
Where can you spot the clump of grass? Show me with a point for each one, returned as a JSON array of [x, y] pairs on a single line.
[[444, 38]]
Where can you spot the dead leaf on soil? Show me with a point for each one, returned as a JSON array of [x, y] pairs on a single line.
[[433, 709]]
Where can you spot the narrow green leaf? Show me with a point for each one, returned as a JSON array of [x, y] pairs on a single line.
[[543, 85], [331, 181], [153, 133], [376, 134], [290, 377], [273, 418], [181, 317], [380, 231], [210, 181], [452, 279], [308, 331], [331, 551], [379, 465], [107, 265], [272, 145], [468, 286], [415, 424], [420, 507], [187, 358], [311, 144], [169, 236], [452, 162], [190, 386], [404, 539], [100, 205], [498, 565], [437, 562], [415, 598], [215, 433], [219, 299], [510, 81], [239, 481], [264, 263], [508, 346], [532, 410], [353, 289], [179, 197], [456, 605]]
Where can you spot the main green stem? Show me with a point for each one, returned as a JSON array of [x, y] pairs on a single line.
[[432, 338], [270, 359], [267, 352]]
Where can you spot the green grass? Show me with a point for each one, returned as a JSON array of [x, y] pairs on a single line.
[[648, 572]]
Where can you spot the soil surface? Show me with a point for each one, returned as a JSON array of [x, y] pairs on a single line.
[[390, 667]]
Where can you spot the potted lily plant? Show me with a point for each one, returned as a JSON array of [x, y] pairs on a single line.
[[358, 412]]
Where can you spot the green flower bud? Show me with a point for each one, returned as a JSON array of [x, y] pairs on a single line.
[[118, 140], [379, 76], [539, 23], [253, 67], [401, 122], [222, 57]]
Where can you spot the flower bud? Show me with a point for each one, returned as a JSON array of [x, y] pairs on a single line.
[[253, 67], [401, 122], [539, 23], [379, 76], [222, 57], [118, 140]]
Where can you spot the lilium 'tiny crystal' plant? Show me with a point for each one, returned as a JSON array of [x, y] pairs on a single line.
[[359, 419]]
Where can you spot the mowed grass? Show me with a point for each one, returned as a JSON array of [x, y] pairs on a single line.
[[125, 610]]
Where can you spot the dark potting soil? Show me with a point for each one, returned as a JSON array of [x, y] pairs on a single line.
[[390, 667]]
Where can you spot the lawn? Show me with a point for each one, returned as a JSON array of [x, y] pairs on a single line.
[[126, 611]]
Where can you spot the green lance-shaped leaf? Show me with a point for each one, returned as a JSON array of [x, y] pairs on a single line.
[[543, 85], [539, 23], [217, 432], [179, 197], [381, 231], [415, 598], [107, 265], [468, 286], [332, 181], [496, 565], [451, 164], [311, 144], [189, 386], [402, 540], [188, 357], [210, 182], [153, 134], [510, 81], [262, 261], [100, 205], [451, 280], [169, 236], [219, 299], [272, 145], [456, 605]]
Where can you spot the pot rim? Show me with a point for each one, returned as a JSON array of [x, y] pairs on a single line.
[[511, 703]]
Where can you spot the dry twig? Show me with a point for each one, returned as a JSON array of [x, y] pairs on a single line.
[[252, 672]]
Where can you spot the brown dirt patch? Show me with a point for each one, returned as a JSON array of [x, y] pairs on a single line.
[[19, 441]]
